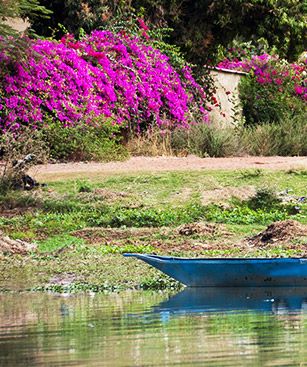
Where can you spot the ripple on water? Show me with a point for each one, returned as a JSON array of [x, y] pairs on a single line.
[[230, 327]]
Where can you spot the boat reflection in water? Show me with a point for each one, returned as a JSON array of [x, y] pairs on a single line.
[[276, 300]]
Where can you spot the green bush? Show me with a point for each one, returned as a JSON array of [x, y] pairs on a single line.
[[265, 103], [264, 198], [146, 217], [244, 215], [84, 142]]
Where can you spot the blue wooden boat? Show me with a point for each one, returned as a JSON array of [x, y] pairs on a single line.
[[231, 272]]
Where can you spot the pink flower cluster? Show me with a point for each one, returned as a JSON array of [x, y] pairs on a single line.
[[270, 70], [105, 74]]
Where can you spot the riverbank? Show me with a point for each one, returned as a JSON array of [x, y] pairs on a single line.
[[81, 227]]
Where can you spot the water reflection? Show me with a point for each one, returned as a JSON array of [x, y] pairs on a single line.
[[274, 300], [211, 327]]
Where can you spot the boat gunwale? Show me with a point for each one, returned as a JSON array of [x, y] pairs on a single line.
[[213, 259]]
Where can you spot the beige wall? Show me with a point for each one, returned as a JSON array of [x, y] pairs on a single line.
[[226, 83], [18, 24]]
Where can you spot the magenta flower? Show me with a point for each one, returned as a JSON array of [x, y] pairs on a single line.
[[109, 75], [299, 89], [270, 70]]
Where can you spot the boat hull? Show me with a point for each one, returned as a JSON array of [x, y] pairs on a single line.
[[197, 272]]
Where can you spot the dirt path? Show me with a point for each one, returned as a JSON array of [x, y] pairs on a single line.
[[160, 164]]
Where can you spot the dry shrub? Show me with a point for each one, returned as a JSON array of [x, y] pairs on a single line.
[[285, 138], [10, 246], [18, 153], [152, 142], [206, 140]]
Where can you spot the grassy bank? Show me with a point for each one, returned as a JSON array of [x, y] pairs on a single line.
[[81, 228]]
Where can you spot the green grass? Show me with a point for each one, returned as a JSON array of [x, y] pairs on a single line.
[[58, 242], [150, 200], [50, 217], [48, 224]]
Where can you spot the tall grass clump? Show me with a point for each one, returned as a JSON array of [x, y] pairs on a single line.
[[285, 138], [152, 142], [206, 140]]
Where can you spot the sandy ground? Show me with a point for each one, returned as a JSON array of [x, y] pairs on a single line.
[[160, 164]]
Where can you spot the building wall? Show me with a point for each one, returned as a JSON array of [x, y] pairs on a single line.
[[18, 24], [227, 95]]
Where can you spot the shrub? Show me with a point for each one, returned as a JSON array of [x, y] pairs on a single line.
[[266, 103], [84, 142], [273, 88], [284, 138], [206, 140], [102, 75], [264, 198], [18, 153]]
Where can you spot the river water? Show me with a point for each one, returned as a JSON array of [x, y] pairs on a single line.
[[205, 327]]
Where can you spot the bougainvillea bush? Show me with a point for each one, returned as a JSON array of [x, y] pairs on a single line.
[[115, 76], [273, 88]]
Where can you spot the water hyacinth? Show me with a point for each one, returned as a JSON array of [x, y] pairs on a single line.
[[270, 70], [104, 74]]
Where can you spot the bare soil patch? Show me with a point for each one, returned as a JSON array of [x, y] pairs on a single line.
[[107, 194], [64, 279], [279, 232], [95, 235], [225, 193], [204, 229], [10, 246], [59, 171], [188, 237], [198, 237], [11, 213]]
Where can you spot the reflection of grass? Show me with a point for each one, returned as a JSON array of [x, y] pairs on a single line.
[[205, 338]]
